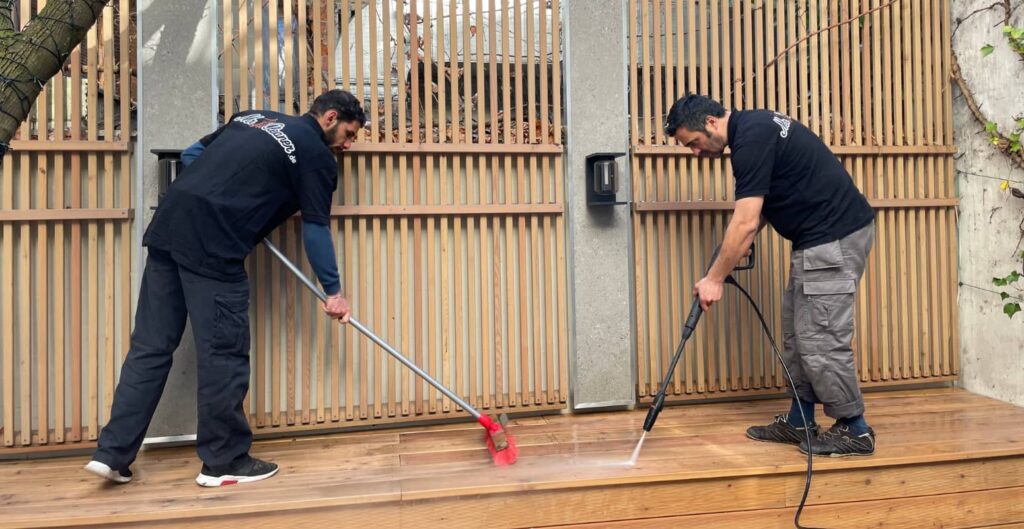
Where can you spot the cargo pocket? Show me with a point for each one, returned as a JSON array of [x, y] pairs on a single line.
[[231, 325], [823, 256], [831, 303]]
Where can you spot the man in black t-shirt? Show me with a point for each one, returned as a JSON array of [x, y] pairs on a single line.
[[256, 171], [787, 177]]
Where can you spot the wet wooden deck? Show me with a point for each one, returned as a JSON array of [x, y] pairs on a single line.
[[945, 458]]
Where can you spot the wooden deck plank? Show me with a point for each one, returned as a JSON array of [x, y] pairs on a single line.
[[964, 510], [929, 441], [396, 518], [745, 498]]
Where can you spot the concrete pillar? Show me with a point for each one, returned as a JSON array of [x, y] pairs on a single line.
[[177, 105], [600, 245]]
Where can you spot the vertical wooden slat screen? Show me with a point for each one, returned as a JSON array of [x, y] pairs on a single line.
[[875, 90], [65, 243], [448, 216]]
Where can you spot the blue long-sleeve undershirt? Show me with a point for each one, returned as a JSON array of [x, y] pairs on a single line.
[[320, 251], [191, 153]]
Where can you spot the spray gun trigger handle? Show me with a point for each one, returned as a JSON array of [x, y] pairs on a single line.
[[748, 264]]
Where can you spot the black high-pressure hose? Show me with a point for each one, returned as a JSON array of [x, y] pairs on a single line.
[[688, 328], [789, 377]]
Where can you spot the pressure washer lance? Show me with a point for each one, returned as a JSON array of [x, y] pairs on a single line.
[[688, 328], [500, 443]]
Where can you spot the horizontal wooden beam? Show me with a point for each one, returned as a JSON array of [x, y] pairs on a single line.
[[888, 203], [455, 148], [51, 449], [725, 205], [69, 146], [353, 424], [674, 395], [698, 205], [847, 150], [447, 210], [28, 215], [893, 150]]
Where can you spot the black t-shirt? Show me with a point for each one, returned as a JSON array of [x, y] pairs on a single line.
[[255, 172], [809, 198]]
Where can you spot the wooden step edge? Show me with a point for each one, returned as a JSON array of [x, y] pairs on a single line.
[[820, 464], [844, 464], [191, 512]]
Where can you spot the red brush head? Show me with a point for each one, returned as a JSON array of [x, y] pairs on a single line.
[[499, 442], [505, 456], [487, 422]]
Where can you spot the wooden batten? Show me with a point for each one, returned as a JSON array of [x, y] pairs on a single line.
[[450, 201], [897, 150], [65, 232], [450, 211]]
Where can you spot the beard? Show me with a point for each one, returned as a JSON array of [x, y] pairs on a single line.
[[716, 147]]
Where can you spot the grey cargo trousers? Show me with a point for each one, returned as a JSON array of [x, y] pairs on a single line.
[[817, 322]]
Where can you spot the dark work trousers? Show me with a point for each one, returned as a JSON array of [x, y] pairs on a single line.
[[218, 311]]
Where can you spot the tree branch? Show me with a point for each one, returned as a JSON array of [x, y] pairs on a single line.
[[1003, 143], [738, 84], [960, 21], [1007, 11], [30, 58], [833, 26], [7, 28]]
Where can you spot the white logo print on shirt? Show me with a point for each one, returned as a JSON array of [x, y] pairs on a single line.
[[783, 122], [272, 127]]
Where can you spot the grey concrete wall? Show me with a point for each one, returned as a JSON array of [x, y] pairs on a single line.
[[176, 107], [599, 238], [992, 345]]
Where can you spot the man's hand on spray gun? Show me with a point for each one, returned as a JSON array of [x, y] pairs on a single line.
[[709, 289]]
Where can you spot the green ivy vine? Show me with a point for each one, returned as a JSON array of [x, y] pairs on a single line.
[[1010, 144]]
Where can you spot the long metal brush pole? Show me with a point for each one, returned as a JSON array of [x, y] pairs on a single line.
[[370, 334]]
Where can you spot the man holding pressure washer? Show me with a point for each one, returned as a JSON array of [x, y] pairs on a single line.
[[787, 177], [255, 172]]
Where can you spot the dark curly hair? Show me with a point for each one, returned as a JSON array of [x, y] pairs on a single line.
[[343, 102], [691, 113]]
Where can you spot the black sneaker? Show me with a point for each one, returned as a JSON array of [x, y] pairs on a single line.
[[780, 431], [247, 470], [103, 470], [839, 441]]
